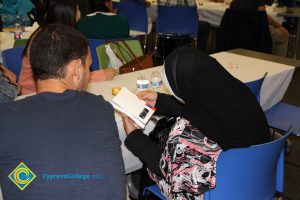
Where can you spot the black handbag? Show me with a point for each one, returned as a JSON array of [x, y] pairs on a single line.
[[160, 133]]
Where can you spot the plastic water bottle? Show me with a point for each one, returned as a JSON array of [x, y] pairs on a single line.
[[155, 80], [18, 31], [142, 83]]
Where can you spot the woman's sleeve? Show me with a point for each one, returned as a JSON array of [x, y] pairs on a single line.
[[146, 150], [26, 78], [97, 76], [167, 105]]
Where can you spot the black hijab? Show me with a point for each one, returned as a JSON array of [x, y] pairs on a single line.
[[219, 105]]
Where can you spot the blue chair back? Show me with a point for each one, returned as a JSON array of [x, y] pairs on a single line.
[[93, 44], [12, 59], [173, 20], [154, 189], [135, 13], [249, 173], [255, 86], [282, 115]]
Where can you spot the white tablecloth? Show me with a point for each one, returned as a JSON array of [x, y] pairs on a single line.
[[249, 69], [213, 12]]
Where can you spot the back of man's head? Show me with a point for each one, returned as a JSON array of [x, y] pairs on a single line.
[[53, 48]]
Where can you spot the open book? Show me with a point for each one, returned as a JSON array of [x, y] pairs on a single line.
[[135, 108]]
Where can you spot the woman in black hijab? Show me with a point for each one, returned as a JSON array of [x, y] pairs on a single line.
[[215, 112]]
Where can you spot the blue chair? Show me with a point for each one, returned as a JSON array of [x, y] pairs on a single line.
[[283, 114], [176, 23], [93, 44], [249, 173], [12, 59], [255, 86], [154, 190], [135, 13]]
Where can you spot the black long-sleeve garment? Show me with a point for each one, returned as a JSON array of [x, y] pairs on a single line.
[[141, 145], [254, 125]]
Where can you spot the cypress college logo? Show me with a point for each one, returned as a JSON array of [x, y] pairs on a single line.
[[22, 176]]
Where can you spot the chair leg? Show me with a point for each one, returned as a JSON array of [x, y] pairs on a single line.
[[132, 190], [196, 42], [278, 196], [155, 49], [156, 38], [145, 43]]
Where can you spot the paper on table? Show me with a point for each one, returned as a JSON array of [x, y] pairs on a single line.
[[135, 108]]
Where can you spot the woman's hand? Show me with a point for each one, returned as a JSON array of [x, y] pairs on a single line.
[[129, 124], [110, 73], [148, 96]]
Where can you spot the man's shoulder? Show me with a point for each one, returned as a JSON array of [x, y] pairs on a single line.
[[88, 95], [70, 95], [92, 100]]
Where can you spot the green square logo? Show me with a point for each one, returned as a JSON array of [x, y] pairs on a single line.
[[22, 176]]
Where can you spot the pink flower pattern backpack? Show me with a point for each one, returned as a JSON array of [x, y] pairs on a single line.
[[188, 163]]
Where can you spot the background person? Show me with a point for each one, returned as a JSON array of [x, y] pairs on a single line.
[[214, 115], [279, 34], [103, 22], [61, 130], [64, 12], [15, 11]]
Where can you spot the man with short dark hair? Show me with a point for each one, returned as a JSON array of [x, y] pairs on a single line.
[[62, 143]]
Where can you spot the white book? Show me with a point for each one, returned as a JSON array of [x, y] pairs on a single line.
[[128, 103]]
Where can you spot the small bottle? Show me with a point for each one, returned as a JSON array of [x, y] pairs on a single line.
[[155, 80], [142, 83], [18, 31]]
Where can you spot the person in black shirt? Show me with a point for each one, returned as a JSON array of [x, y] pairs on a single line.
[[280, 35]]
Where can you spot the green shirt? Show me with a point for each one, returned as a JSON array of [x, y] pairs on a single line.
[[101, 26]]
